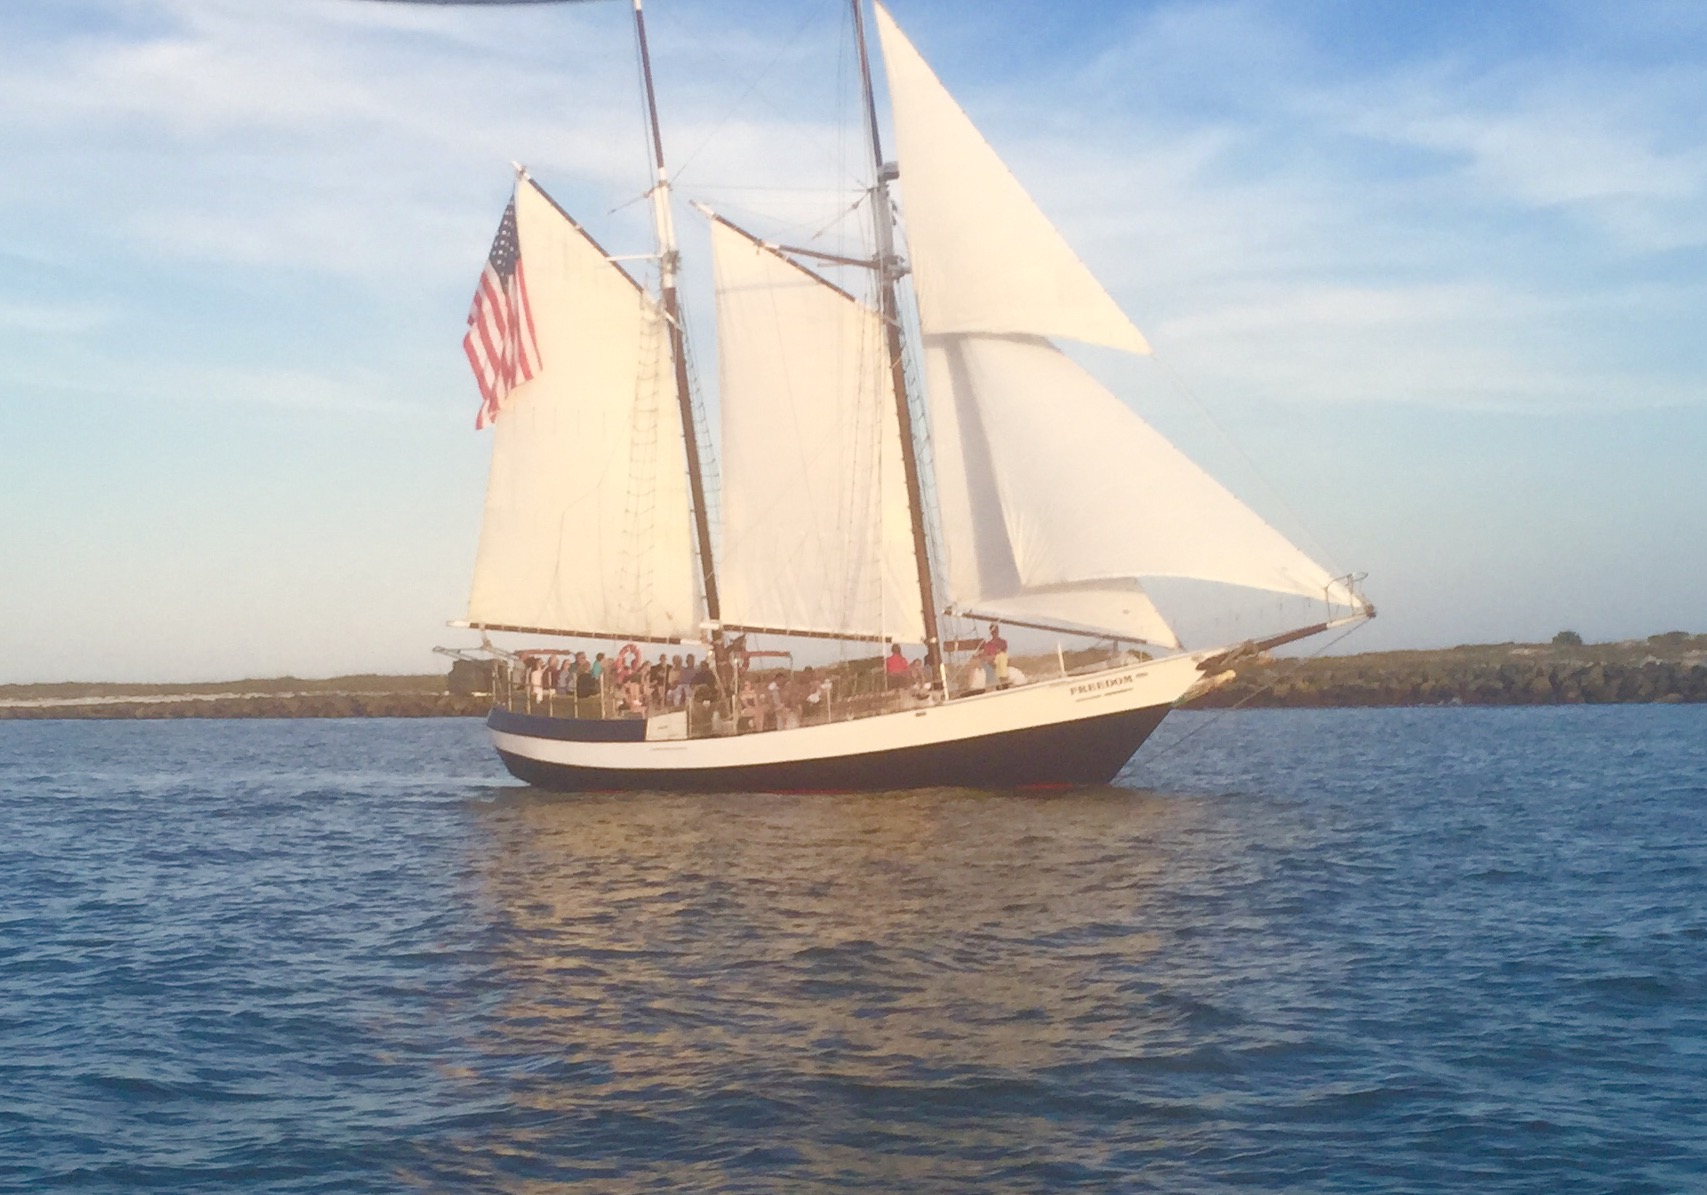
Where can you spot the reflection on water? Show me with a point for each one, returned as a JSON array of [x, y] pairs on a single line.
[[1421, 950], [818, 973]]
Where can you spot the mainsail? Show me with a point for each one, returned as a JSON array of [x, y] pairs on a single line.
[[816, 537], [1055, 498], [587, 525]]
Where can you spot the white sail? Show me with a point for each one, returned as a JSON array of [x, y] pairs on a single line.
[[587, 525], [816, 534], [1045, 479], [984, 258]]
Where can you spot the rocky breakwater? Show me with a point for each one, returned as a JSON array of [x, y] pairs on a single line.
[[285, 697], [1662, 668]]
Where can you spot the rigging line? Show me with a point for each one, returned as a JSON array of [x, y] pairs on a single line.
[[622, 207], [640, 95], [842, 95], [729, 112], [744, 218], [838, 218], [1286, 674], [929, 493], [1325, 557]]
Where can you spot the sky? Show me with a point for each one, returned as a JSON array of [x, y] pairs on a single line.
[[1426, 285]]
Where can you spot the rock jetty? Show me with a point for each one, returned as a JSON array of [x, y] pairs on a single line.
[[285, 697], [1663, 668]]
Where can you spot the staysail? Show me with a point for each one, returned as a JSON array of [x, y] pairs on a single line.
[[1056, 499], [816, 537], [1050, 481], [587, 526]]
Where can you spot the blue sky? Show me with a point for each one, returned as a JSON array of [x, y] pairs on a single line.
[[1438, 272]]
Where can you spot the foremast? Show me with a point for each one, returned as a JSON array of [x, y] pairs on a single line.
[[889, 271], [669, 268]]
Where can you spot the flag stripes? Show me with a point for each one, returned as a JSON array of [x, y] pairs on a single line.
[[500, 343]]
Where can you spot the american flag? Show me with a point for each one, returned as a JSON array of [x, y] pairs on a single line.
[[500, 342]]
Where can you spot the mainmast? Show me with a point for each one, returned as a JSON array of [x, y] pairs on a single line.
[[669, 263], [888, 273]]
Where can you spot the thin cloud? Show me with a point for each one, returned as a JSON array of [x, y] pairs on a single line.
[[1244, 227], [1623, 149], [355, 393], [52, 319]]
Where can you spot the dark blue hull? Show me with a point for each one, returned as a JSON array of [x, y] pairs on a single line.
[[1089, 751]]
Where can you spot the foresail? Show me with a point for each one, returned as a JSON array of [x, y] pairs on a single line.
[[587, 523], [1046, 480], [816, 535], [1118, 608], [984, 257]]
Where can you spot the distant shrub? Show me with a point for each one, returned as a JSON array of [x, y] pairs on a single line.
[[469, 676], [1670, 639], [1567, 639]]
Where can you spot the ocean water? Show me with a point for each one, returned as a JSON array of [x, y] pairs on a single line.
[[1373, 950]]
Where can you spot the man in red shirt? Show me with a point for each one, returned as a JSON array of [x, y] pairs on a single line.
[[993, 656], [897, 673]]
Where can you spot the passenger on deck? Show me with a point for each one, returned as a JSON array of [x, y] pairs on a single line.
[[657, 680], [752, 708], [897, 673], [704, 680], [586, 683], [813, 707], [781, 716], [631, 684], [992, 658], [682, 688]]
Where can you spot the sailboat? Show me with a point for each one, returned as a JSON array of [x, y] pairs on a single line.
[[853, 503]]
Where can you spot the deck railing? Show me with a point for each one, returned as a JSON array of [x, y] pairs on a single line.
[[772, 699]]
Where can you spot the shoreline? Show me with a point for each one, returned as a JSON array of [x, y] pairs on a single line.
[[251, 705], [1663, 669]]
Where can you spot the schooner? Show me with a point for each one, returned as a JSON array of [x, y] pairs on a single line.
[[1015, 490]]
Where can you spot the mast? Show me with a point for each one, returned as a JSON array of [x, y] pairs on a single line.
[[888, 272], [669, 262]]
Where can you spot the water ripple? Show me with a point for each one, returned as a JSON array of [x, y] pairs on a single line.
[[1383, 950]]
